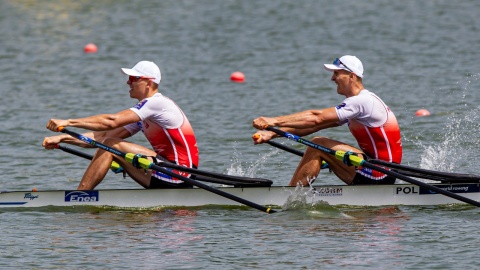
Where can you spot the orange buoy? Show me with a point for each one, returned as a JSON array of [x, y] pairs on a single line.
[[238, 77], [90, 48], [34, 189], [422, 112]]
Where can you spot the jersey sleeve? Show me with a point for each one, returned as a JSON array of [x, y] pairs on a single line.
[[366, 108], [162, 111], [350, 108]]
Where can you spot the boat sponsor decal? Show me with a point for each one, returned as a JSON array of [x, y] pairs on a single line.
[[459, 188], [82, 196], [328, 191], [30, 196], [86, 139]]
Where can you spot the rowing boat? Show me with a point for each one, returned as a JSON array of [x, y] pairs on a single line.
[[274, 196], [254, 192]]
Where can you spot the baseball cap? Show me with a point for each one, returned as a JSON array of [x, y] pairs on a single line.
[[347, 62], [145, 68]]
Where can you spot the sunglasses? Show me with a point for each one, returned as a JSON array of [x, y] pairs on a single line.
[[337, 63], [136, 78]]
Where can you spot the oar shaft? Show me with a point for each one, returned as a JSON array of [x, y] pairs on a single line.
[[238, 179], [360, 162], [147, 164], [294, 151], [115, 167], [424, 171], [212, 174], [286, 148], [213, 190], [421, 184], [299, 139], [75, 152]]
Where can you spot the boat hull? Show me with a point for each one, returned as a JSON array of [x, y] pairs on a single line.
[[268, 196]]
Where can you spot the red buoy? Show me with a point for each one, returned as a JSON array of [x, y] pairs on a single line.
[[422, 112], [237, 77], [90, 48]]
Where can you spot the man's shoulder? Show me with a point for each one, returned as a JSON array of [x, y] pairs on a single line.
[[365, 92], [367, 95], [362, 96]]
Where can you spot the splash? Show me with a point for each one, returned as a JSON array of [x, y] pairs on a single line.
[[460, 141], [304, 200], [249, 169]]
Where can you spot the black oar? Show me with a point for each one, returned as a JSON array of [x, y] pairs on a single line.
[[357, 161], [201, 175], [236, 181], [289, 149], [286, 148], [147, 164], [426, 173], [115, 167], [405, 170]]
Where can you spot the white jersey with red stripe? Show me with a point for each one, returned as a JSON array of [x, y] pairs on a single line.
[[375, 128], [169, 132]]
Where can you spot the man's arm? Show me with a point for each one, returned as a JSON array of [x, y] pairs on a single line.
[[100, 122], [103, 125], [52, 141], [311, 119], [301, 123]]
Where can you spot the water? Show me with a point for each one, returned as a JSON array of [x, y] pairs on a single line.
[[417, 54]]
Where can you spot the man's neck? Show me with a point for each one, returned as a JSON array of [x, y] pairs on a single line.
[[149, 94], [355, 90]]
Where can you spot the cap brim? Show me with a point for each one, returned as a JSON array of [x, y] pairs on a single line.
[[131, 72], [331, 67]]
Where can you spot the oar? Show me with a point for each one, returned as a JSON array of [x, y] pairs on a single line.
[[204, 176], [115, 167], [434, 174], [286, 148], [357, 161], [147, 164], [289, 149], [209, 176], [403, 169]]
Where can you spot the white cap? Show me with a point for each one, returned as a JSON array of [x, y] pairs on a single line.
[[347, 62], [146, 69]]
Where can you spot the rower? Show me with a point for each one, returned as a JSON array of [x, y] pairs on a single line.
[[369, 119], [160, 119]]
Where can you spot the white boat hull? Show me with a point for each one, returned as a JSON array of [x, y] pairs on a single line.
[[267, 196]]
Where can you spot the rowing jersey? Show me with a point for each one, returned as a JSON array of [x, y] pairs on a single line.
[[375, 128], [169, 132]]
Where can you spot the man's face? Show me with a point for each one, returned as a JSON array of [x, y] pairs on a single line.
[[342, 80], [137, 86]]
